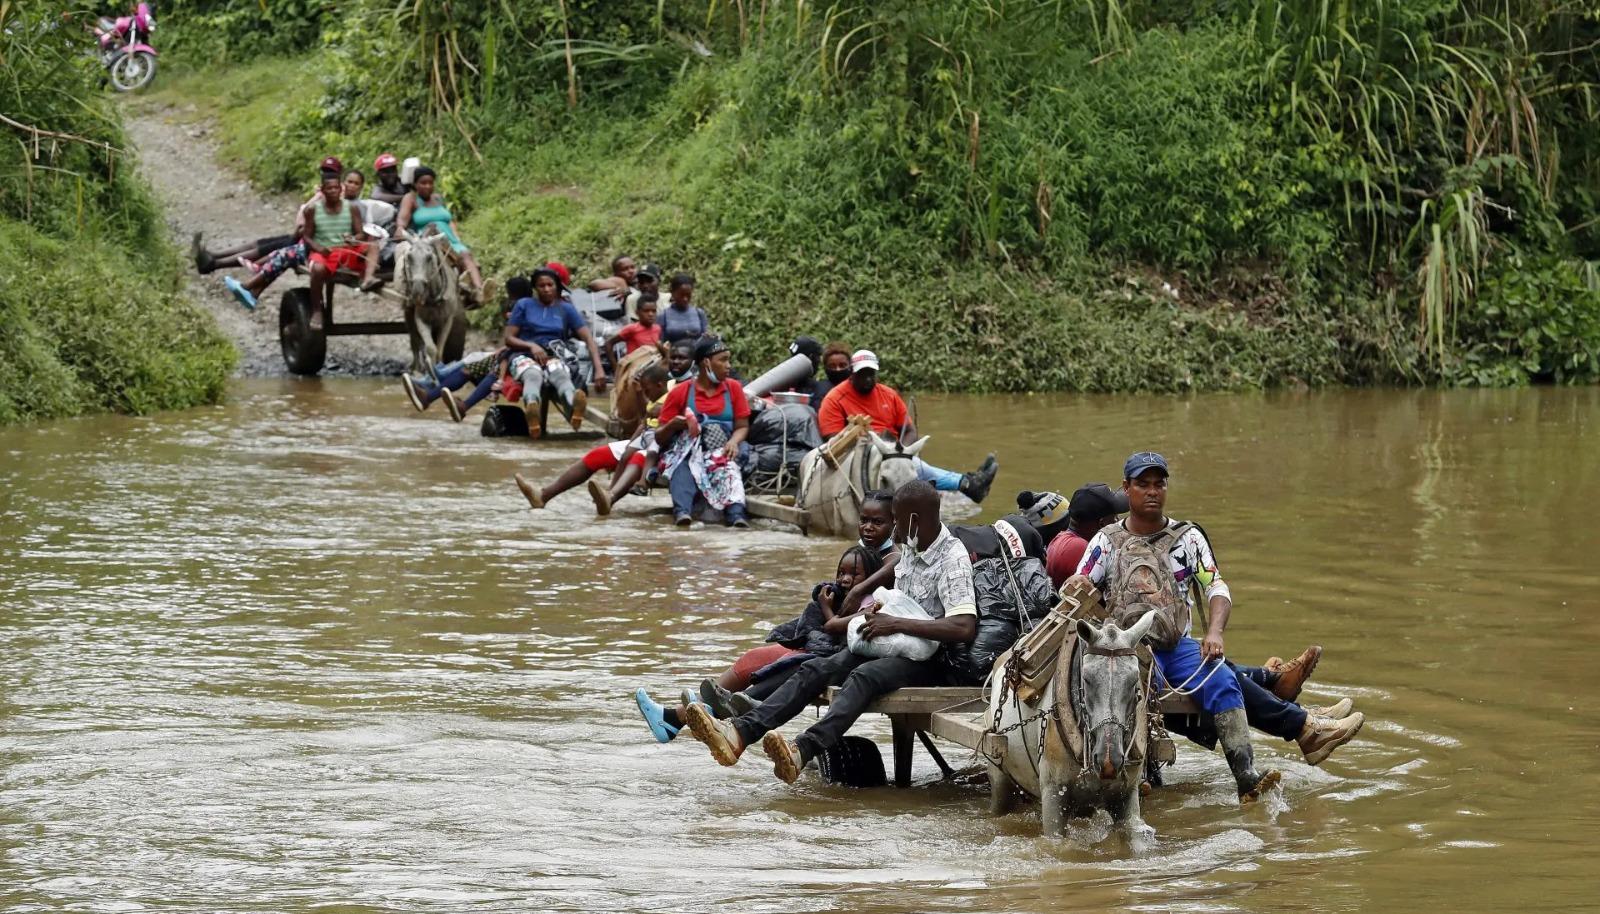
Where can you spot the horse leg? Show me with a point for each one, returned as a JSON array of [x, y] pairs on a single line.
[[427, 351], [1002, 790], [1052, 795]]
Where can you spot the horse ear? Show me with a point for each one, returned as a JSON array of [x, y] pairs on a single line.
[[878, 444], [1087, 631], [1142, 627], [916, 447]]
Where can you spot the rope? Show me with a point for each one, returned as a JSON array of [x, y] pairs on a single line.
[[1180, 690]]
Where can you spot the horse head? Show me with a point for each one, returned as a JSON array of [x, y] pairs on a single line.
[[1107, 694], [895, 465]]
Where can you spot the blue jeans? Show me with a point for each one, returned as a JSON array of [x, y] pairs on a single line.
[[1219, 693], [942, 479]]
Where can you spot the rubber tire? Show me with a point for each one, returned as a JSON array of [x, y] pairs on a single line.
[[144, 60], [504, 421], [855, 762], [456, 343], [304, 349]]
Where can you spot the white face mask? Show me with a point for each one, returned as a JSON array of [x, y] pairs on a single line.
[[913, 548]]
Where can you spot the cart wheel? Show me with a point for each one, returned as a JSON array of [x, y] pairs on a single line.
[[855, 762], [304, 349], [456, 343]]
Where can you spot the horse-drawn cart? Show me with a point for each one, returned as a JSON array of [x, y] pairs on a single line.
[[305, 348]]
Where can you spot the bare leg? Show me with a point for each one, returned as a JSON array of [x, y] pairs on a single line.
[[319, 280], [622, 483], [574, 475], [372, 267], [475, 278], [730, 680]]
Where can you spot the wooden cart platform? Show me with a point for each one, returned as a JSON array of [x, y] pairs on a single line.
[[958, 714]]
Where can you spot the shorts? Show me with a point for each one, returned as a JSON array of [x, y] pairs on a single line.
[[609, 457], [353, 258]]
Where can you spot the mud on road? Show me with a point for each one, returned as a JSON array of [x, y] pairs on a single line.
[[199, 194]]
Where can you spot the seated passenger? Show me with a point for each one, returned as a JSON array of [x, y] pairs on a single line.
[[271, 257], [424, 207], [817, 631], [680, 360], [682, 320], [642, 332], [1118, 563], [388, 189], [627, 461], [1092, 507], [864, 396], [835, 371], [701, 438], [620, 282], [332, 237], [934, 570], [480, 369], [543, 333]]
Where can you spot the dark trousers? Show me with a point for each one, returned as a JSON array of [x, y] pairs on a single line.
[[1265, 711], [863, 679]]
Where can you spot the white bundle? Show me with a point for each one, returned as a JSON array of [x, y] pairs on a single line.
[[892, 603]]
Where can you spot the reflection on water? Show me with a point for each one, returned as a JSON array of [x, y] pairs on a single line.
[[309, 651]]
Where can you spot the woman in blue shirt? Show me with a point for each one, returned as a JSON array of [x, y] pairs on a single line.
[[542, 334]]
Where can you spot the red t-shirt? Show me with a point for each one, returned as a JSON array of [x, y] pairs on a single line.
[[883, 406], [724, 404], [637, 335], [1062, 556]]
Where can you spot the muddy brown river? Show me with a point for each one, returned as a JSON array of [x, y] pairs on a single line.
[[309, 651]]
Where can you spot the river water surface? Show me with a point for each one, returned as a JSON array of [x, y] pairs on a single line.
[[309, 651]]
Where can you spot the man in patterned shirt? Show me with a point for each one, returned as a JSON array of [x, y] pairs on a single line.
[[934, 570], [1184, 662]]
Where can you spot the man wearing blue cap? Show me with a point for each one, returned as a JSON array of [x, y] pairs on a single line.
[[1150, 562]]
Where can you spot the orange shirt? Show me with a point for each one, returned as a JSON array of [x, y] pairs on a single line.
[[882, 405]]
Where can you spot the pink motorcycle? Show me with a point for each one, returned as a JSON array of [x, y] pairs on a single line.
[[125, 50]]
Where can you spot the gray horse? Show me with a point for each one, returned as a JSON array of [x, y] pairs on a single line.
[[1096, 730], [832, 497], [431, 291]]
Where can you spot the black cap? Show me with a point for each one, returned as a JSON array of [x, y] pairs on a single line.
[[1096, 500], [808, 347], [650, 270]]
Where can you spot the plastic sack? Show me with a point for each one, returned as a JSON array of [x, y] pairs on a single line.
[[911, 647]]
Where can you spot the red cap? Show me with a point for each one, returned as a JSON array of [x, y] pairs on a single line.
[[332, 163], [560, 269], [387, 160]]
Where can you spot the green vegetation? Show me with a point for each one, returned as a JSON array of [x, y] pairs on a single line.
[[1030, 195], [92, 316]]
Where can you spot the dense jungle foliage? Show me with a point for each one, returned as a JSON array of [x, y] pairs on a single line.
[[92, 313], [998, 194]]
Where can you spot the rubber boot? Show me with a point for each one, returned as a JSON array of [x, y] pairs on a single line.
[[1233, 732], [975, 485]]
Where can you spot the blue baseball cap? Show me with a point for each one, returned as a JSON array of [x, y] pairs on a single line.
[[1144, 460]]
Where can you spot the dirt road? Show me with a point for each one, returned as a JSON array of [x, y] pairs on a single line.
[[180, 161]]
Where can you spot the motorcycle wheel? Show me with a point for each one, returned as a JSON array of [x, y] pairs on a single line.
[[133, 71]]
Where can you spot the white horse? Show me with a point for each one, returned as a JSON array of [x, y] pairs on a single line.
[[432, 296], [1095, 717], [832, 496]]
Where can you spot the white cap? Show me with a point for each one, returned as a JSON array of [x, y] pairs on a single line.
[[863, 358]]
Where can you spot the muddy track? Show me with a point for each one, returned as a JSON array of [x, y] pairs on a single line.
[[199, 194]]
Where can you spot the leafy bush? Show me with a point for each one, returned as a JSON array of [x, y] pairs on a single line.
[[92, 312], [1536, 318]]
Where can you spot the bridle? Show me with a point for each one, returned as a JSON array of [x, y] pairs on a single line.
[[1087, 724]]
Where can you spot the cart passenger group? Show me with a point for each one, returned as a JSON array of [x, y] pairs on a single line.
[[968, 585]]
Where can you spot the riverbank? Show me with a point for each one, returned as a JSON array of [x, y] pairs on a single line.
[[93, 317]]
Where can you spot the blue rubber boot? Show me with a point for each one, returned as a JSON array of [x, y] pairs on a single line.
[[240, 292], [652, 712]]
